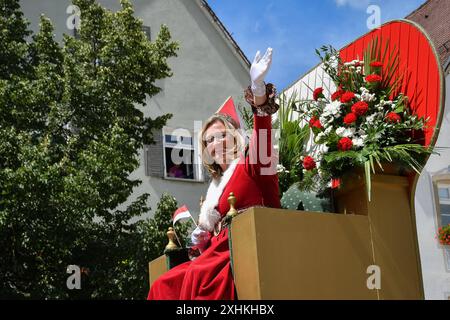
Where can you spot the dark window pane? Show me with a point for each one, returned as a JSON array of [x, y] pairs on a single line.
[[147, 32], [171, 139], [178, 139], [445, 208], [186, 140], [445, 219], [184, 170], [444, 193]]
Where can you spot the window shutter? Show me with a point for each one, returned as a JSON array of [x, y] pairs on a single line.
[[153, 155]]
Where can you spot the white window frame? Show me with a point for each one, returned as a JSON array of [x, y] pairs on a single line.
[[197, 164], [443, 185]]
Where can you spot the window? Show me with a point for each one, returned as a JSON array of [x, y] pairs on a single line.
[[181, 155], [444, 202], [76, 33], [147, 32], [444, 193]]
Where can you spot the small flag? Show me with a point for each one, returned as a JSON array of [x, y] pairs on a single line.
[[335, 183], [181, 213]]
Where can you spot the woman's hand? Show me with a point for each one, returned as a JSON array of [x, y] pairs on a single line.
[[258, 71]]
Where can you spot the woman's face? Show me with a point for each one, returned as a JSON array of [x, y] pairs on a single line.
[[219, 140]]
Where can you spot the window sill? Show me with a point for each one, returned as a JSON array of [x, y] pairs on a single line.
[[184, 180]]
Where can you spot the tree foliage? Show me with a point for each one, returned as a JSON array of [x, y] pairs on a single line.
[[70, 134]]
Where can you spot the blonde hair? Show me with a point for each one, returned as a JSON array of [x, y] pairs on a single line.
[[214, 169]]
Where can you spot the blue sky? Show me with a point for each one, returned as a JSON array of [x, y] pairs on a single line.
[[295, 28]]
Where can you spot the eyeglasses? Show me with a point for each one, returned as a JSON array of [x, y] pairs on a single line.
[[216, 137]]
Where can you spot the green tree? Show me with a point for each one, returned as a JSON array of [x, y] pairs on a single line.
[[70, 134], [147, 242]]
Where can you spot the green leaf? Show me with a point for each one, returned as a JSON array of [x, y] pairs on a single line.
[[367, 166]]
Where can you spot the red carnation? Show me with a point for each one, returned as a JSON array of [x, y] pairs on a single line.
[[360, 108], [350, 118], [345, 144], [373, 78], [317, 93], [315, 123], [393, 117], [347, 96], [376, 64], [337, 95], [309, 163]]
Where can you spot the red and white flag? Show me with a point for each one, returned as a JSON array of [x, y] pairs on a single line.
[[181, 213]]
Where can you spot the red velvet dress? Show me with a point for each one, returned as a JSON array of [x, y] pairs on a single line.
[[209, 276]]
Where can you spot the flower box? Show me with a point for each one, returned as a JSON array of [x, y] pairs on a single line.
[[288, 254], [352, 196]]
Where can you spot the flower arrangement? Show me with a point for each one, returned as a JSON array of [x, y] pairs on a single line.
[[444, 235], [365, 121]]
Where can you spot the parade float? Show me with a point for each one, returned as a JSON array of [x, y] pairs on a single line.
[[376, 130]]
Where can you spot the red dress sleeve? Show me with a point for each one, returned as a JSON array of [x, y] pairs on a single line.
[[261, 160]]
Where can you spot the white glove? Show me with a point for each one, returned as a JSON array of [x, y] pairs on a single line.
[[200, 238], [258, 71]]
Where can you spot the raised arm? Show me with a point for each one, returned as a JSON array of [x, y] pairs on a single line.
[[259, 156]]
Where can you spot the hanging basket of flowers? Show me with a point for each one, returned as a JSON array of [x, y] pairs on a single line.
[[443, 235], [366, 123]]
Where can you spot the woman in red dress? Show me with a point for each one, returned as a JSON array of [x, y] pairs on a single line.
[[250, 175]]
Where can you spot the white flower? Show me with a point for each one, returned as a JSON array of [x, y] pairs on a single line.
[[370, 119], [349, 132], [380, 106], [367, 96], [358, 142], [332, 108], [280, 168], [328, 130], [333, 62], [345, 132], [319, 137], [340, 131]]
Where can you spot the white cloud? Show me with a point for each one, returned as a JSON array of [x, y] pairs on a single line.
[[356, 4]]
